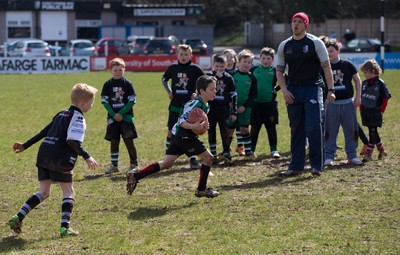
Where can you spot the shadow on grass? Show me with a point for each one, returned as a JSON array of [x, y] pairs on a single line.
[[12, 243], [143, 213], [15, 243]]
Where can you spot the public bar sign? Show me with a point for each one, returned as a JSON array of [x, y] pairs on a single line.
[[58, 6]]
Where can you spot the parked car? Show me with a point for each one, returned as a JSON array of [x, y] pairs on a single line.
[[30, 48], [79, 47], [199, 47], [10, 46], [365, 45], [112, 43], [161, 46], [133, 45]]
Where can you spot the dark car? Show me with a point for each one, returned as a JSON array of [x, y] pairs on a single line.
[[133, 45], [112, 44], [365, 45], [161, 46], [199, 47]]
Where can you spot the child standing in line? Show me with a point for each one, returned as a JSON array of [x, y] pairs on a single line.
[[265, 106], [231, 66], [118, 98], [374, 99], [57, 156], [183, 76], [246, 87], [185, 141], [222, 108], [231, 60]]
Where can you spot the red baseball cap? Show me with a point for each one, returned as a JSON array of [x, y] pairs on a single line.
[[303, 16]]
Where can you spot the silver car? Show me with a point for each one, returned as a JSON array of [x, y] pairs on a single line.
[[79, 47], [30, 48]]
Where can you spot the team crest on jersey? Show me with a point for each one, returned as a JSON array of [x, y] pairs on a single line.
[[305, 49]]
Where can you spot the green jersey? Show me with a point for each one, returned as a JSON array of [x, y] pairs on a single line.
[[266, 81], [246, 88]]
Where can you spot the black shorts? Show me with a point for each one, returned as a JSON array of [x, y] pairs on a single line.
[[371, 117], [46, 174], [172, 119], [189, 146], [117, 129], [265, 113]]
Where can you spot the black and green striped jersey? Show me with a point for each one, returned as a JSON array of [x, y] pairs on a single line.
[[177, 130]]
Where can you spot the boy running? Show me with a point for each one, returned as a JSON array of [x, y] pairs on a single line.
[[185, 141], [183, 76]]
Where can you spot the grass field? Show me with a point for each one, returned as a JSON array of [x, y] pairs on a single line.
[[348, 210]]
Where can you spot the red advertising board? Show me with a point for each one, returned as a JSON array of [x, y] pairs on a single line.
[[147, 63]]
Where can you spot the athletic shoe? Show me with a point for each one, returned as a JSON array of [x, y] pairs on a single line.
[[112, 169], [131, 182], [208, 192], [275, 154], [250, 156], [382, 154], [240, 150], [366, 158], [215, 160], [227, 159], [64, 232], [290, 173], [315, 172], [355, 161], [133, 168], [15, 224], [328, 162], [194, 164], [364, 150]]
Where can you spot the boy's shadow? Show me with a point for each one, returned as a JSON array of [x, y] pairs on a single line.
[[12, 243], [142, 213]]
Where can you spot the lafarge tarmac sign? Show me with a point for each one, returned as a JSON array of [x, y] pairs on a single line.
[[44, 65]]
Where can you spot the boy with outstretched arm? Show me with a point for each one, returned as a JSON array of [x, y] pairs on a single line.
[[57, 156]]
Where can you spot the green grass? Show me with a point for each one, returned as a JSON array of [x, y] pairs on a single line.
[[348, 210]]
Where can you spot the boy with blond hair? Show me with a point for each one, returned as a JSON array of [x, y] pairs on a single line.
[[183, 76], [57, 156], [118, 98], [246, 88]]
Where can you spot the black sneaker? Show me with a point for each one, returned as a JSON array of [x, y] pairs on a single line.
[[290, 173], [315, 172], [194, 164], [208, 192], [131, 182]]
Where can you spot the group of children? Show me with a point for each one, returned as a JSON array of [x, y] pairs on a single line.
[[234, 94]]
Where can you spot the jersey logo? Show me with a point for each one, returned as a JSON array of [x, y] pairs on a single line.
[[183, 80], [118, 95], [305, 49]]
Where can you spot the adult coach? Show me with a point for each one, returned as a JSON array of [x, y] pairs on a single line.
[[305, 55]]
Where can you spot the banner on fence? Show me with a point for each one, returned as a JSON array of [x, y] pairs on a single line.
[[45, 65], [147, 63]]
